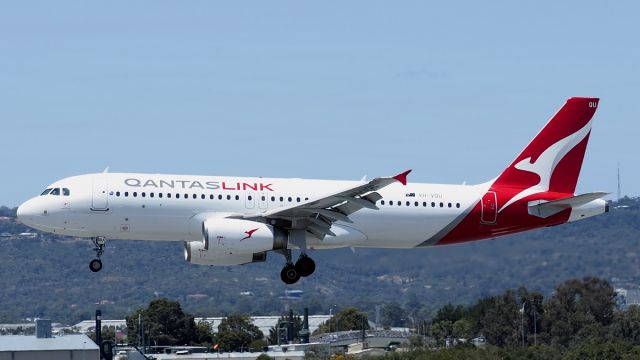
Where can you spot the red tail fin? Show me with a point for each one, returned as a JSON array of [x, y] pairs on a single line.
[[553, 159]]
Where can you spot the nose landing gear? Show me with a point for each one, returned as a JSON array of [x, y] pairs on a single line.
[[99, 242]]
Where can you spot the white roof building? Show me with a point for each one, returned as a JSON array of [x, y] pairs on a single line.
[[264, 323], [68, 347]]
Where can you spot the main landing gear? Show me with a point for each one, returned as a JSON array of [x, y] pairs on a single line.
[[291, 273], [99, 242]]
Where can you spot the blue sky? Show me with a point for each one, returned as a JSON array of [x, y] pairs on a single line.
[[453, 90]]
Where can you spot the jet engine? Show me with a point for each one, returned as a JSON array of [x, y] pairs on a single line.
[[195, 253], [234, 241]]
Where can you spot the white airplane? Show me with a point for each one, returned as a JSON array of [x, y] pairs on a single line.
[[238, 220]]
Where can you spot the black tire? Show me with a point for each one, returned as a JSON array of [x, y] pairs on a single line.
[[305, 266], [289, 274], [95, 265]]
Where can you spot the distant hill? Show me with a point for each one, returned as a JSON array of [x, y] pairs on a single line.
[[49, 276]]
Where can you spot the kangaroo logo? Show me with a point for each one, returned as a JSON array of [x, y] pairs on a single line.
[[546, 163], [249, 234]]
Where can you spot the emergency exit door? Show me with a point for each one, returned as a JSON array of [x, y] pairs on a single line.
[[489, 208], [99, 200]]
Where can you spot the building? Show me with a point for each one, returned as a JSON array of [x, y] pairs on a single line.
[[264, 323], [43, 346]]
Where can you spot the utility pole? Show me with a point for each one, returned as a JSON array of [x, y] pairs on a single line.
[[522, 323], [619, 192], [535, 327]]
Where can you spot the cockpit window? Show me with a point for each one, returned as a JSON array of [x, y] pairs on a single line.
[[46, 192], [55, 191], [65, 192]]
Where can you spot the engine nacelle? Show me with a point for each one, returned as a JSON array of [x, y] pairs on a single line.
[[234, 236], [195, 253]]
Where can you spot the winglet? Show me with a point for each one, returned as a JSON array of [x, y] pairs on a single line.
[[402, 177]]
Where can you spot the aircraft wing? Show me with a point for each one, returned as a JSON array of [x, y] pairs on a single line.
[[317, 216]]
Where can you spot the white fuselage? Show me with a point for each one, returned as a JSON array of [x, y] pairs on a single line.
[[167, 207]]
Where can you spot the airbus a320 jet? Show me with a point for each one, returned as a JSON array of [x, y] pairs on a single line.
[[238, 220]]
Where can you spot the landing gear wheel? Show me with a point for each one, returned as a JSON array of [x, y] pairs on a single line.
[[95, 265], [305, 265], [289, 274], [99, 242]]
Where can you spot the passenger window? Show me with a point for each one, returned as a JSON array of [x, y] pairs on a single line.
[[298, 199], [126, 194], [237, 197], [449, 205], [273, 198], [249, 198], [169, 195], [195, 196], [382, 202], [143, 194], [186, 196], [416, 203], [390, 202], [441, 204], [219, 197], [135, 194], [65, 192], [433, 204], [289, 198], [281, 199], [458, 205], [151, 195], [263, 198], [117, 193], [160, 195], [211, 197], [46, 192], [228, 197], [424, 204], [55, 191]]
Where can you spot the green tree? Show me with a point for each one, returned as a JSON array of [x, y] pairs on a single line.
[[284, 319], [442, 330], [533, 313], [462, 329], [450, 313], [236, 332], [626, 325], [164, 323], [501, 321], [347, 319], [392, 315], [579, 310], [204, 335]]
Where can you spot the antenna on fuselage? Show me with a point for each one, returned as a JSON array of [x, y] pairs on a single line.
[[106, 170]]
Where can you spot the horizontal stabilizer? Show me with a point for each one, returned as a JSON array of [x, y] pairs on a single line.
[[544, 209]]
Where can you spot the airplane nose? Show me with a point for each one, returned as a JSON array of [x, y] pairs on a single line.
[[26, 211]]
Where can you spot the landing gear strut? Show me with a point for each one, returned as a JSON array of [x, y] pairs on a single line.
[[99, 242]]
